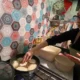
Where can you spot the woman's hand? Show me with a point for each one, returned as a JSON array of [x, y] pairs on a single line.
[[73, 58], [27, 56]]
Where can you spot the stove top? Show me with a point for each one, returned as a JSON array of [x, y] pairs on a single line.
[[42, 73]]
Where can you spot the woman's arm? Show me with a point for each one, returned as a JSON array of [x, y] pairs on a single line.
[[29, 54]]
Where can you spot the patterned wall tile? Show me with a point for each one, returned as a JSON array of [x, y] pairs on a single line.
[[6, 41], [36, 28], [39, 25], [6, 30], [34, 16], [31, 38], [29, 10], [14, 45], [1, 47], [22, 22], [42, 5], [7, 18], [35, 34], [15, 35], [28, 27], [22, 31], [16, 15], [31, 31], [34, 8], [17, 4], [1, 24], [6, 51], [35, 2], [21, 18], [15, 26], [24, 3], [27, 35], [1, 36], [31, 2], [32, 24], [30, 45], [7, 6], [23, 12], [28, 18]]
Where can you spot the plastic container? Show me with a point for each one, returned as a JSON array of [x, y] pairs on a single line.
[[49, 52], [63, 63]]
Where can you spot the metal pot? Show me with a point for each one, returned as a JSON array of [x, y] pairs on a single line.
[[27, 73]]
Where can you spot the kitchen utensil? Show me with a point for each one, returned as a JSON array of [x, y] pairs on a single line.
[[49, 52], [25, 72]]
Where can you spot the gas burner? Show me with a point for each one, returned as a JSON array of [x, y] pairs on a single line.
[[42, 73]]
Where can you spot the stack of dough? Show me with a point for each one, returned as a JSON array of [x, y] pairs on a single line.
[[27, 66], [15, 64]]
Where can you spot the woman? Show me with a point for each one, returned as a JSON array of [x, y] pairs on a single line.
[[69, 35]]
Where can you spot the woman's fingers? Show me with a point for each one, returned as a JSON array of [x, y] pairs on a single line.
[[78, 54], [27, 57]]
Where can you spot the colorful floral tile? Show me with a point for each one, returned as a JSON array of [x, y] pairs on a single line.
[[6, 30], [34, 8], [35, 28], [39, 25], [1, 36], [7, 18], [24, 3], [28, 18], [42, 5], [31, 38], [29, 10], [35, 34], [31, 2], [15, 36], [34, 16], [1, 24], [27, 35], [28, 27], [7, 6], [16, 15], [15, 26], [6, 51], [30, 45], [22, 22], [23, 12], [36, 2], [1, 47], [6, 41], [14, 45], [31, 31], [17, 4]]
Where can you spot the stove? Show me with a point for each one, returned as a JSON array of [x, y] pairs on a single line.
[[42, 73]]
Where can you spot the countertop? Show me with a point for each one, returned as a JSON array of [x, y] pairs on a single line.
[[51, 66]]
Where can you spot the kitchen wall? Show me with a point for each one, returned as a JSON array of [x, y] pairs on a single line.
[[20, 22]]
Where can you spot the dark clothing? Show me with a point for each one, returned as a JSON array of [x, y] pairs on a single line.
[[69, 35], [76, 72]]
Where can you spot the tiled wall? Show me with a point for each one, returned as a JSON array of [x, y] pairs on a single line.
[[21, 21]]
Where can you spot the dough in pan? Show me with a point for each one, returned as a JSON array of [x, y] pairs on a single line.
[[15, 64], [22, 68], [32, 61], [19, 59], [32, 67], [23, 64]]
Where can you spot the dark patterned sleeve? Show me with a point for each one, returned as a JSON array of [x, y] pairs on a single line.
[[68, 35]]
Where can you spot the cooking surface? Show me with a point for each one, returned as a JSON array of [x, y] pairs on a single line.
[[42, 73], [46, 71]]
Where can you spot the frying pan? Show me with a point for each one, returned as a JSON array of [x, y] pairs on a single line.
[[23, 72]]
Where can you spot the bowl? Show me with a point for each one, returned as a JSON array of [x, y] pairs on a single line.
[[63, 63]]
